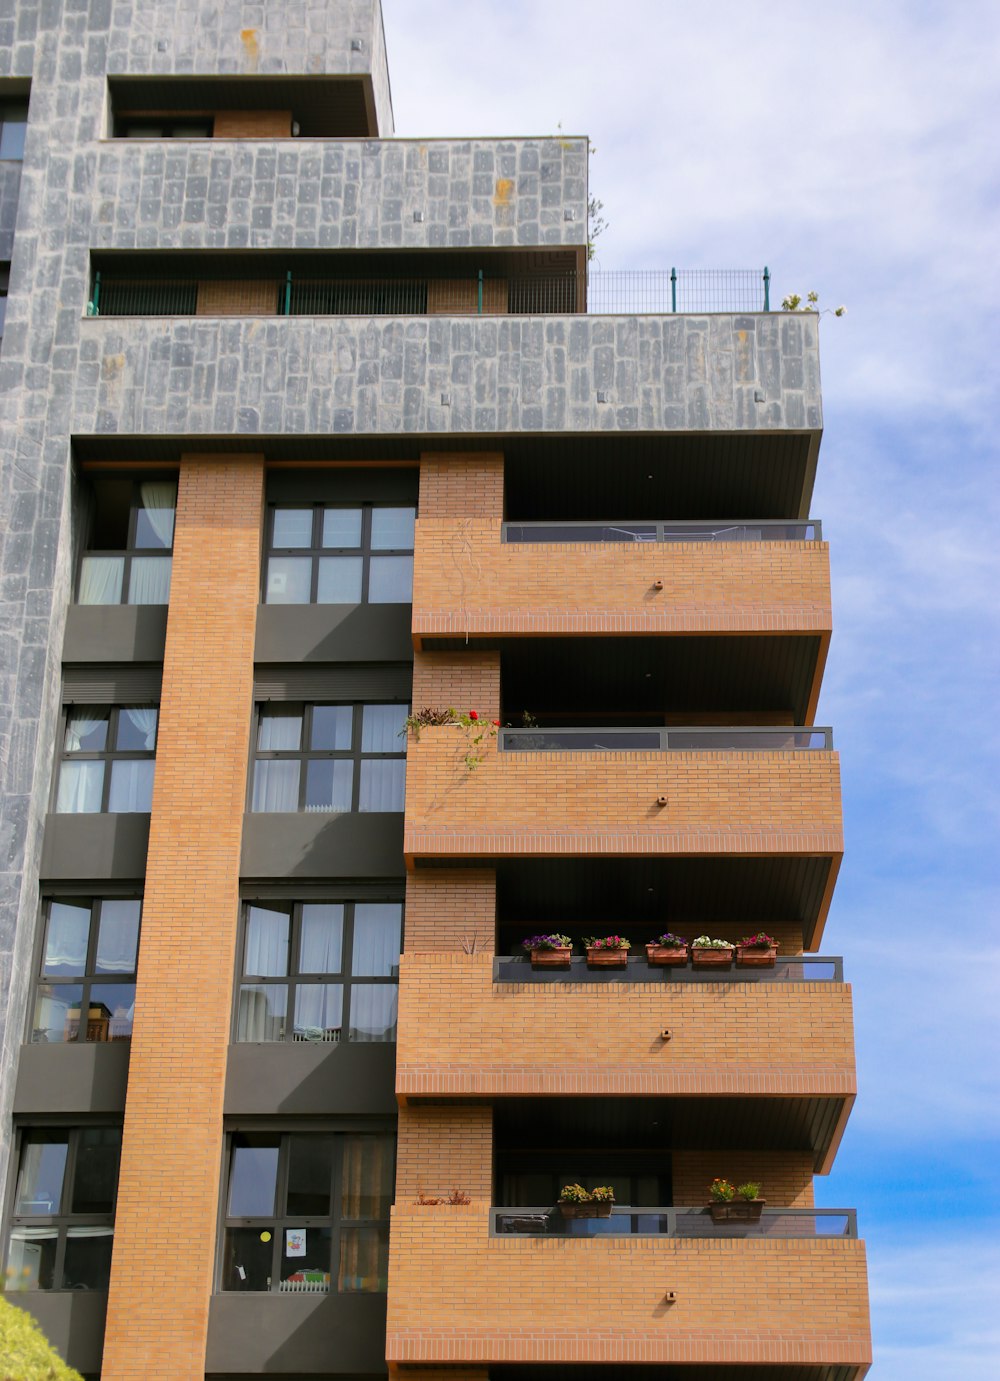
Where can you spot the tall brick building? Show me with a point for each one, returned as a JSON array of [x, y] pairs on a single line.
[[305, 428]]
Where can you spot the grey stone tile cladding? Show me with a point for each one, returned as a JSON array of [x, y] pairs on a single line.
[[339, 194], [326, 375], [10, 184]]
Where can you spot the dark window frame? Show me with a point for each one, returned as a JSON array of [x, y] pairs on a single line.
[[166, 125], [305, 755], [65, 1219], [90, 975], [316, 551], [130, 551], [293, 979], [4, 293], [107, 755], [277, 1222]]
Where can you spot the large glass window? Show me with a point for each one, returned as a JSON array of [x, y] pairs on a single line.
[[164, 126], [86, 987], [308, 1212], [330, 758], [325, 554], [107, 760], [128, 557], [319, 971], [62, 1225], [13, 128]]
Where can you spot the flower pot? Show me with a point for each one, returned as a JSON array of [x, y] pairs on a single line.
[[712, 958], [660, 955], [551, 958], [586, 1210], [737, 1211], [756, 956], [607, 958]]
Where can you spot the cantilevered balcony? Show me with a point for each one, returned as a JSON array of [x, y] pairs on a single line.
[[534, 1298]]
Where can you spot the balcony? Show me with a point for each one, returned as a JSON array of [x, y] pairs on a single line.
[[689, 1223], [661, 1299]]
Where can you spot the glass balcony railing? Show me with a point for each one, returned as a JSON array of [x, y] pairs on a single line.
[[758, 530], [799, 968], [625, 1221], [713, 739]]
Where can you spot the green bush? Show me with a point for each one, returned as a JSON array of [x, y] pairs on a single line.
[[25, 1352]]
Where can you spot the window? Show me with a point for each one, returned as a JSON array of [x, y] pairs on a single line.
[[164, 127], [128, 557], [13, 127], [308, 1208], [62, 1225], [319, 971], [86, 989], [332, 758], [327, 554], [107, 761]]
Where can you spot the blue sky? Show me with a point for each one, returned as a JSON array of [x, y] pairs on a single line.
[[853, 148]]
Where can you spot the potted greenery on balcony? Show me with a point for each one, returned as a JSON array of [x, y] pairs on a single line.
[[667, 949], [757, 951], [707, 953], [735, 1203], [607, 951], [549, 951], [577, 1202]]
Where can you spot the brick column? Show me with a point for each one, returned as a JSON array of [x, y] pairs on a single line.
[[168, 1194]]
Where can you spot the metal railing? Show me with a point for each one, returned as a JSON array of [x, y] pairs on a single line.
[[714, 739], [626, 1221], [757, 530], [800, 968], [617, 293]]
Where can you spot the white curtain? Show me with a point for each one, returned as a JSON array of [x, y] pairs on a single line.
[[149, 580], [279, 732], [319, 1011], [376, 939], [322, 938], [261, 1012], [275, 785], [383, 784], [382, 729], [80, 787], [131, 786], [80, 725], [118, 936], [267, 943], [66, 939], [159, 500], [144, 720], [101, 579], [373, 1011]]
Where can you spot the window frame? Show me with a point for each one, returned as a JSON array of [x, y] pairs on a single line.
[[168, 121], [130, 551], [107, 755], [316, 551], [292, 979], [90, 975], [277, 1222], [305, 755], [65, 1219]]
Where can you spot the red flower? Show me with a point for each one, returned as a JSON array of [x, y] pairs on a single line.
[[496, 723], [473, 715]]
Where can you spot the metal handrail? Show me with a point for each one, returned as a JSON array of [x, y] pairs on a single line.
[[646, 530], [699, 738], [672, 1222], [516, 968]]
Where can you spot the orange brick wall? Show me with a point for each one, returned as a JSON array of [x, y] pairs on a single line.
[[786, 1176], [253, 124], [606, 803], [451, 911], [459, 296], [461, 681], [461, 486], [236, 297], [458, 1296], [168, 1192], [461, 1036], [441, 1149]]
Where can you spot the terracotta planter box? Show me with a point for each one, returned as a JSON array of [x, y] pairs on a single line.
[[551, 958], [712, 958], [659, 954], [607, 958], [586, 1210], [756, 958], [737, 1211]]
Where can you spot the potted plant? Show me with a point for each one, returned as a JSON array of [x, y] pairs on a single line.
[[607, 952], [667, 949], [549, 951], [729, 1203], [577, 1202], [757, 951], [707, 953]]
